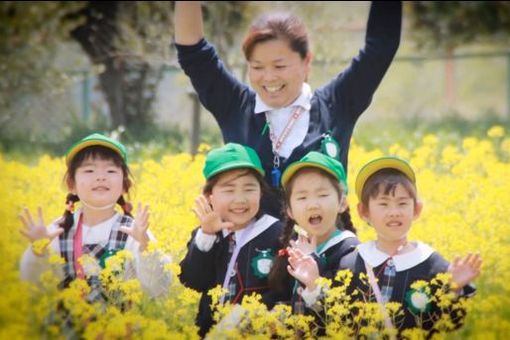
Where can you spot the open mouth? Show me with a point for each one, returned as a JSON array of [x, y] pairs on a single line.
[[100, 188], [274, 89], [315, 219], [394, 224]]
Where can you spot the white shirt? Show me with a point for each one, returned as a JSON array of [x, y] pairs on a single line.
[[148, 268], [278, 119]]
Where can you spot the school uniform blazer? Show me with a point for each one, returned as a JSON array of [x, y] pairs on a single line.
[[335, 107], [202, 271], [424, 263]]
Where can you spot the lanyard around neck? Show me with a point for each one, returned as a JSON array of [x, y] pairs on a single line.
[[277, 142], [240, 242]]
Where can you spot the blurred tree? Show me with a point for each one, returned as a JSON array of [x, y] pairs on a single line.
[[224, 23], [130, 40], [29, 35], [452, 23]]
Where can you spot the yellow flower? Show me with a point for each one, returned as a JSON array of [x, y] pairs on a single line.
[[496, 131]]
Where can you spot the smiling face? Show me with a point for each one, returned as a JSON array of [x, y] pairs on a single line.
[[391, 213], [236, 197], [98, 182], [314, 203], [277, 73]]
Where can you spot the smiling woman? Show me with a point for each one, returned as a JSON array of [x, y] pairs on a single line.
[[280, 116]]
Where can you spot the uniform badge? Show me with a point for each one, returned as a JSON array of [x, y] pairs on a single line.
[[330, 147], [418, 301], [108, 253], [262, 263]]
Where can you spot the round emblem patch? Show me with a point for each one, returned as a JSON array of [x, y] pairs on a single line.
[[262, 263]]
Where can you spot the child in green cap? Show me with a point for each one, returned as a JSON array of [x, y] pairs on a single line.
[[235, 243], [315, 190], [98, 178]]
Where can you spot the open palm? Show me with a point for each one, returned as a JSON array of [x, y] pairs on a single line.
[[36, 230], [303, 268], [140, 227], [210, 220], [466, 269]]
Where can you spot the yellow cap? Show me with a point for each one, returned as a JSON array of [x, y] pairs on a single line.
[[387, 162]]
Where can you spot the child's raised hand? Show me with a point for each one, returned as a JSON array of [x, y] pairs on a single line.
[[306, 244], [210, 220], [465, 270], [303, 267], [36, 230], [140, 226]]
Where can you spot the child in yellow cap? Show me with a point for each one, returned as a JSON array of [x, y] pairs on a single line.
[[388, 201], [235, 243], [98, 178]]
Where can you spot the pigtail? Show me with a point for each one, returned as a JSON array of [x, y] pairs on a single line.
[[68, 217], [345, 221], [127, 207], [278, 276]]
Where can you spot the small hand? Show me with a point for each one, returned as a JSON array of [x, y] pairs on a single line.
[[210, 220], [36, 230], [307, 245], [140, 227], [303, 268], [465, 270]]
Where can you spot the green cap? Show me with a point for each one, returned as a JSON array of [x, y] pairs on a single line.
[[231, 156], [93, 140], [388, 162], [315, 159]]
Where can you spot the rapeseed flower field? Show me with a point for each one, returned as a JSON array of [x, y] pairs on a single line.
[[464, 185]]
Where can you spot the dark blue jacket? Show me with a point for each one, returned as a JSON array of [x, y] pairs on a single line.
[[202, 271], [335, 107], [403, 280]]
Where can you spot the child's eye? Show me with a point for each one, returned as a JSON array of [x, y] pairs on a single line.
[[323, 195], [256, 68], [113, 171], [280, 66]]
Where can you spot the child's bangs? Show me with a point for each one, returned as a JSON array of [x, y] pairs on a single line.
[[98, 152], [212, 181], [386, 181]]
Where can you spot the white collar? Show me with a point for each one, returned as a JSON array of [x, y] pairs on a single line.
[[253, 229], [336, 239], [374, 257], [304, 101]]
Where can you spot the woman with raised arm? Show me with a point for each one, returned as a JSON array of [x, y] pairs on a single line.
[[280, 116]]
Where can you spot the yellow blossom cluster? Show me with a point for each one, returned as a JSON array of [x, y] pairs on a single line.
[[464, 186]]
